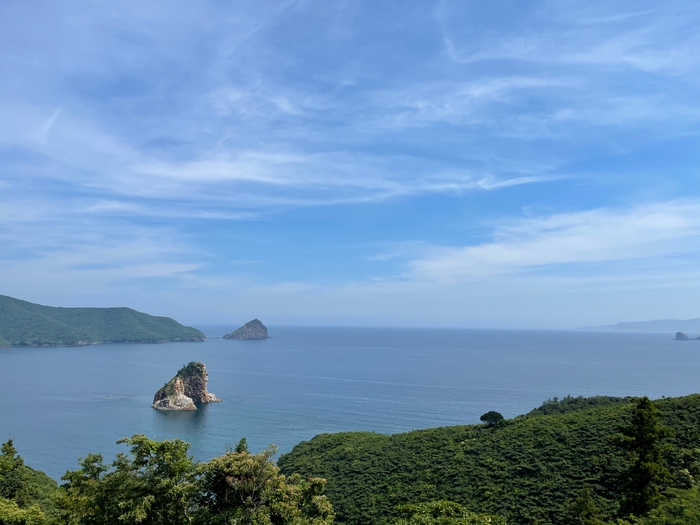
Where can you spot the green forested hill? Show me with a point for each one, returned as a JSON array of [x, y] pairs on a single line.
[[27, 324], [530, 469]]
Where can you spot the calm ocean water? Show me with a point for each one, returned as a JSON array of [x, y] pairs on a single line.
[[60, 403]]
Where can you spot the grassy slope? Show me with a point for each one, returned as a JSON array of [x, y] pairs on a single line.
[[23, 323], [525, 469]]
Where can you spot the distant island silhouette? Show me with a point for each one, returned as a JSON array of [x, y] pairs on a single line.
[[659, 325], [27, 324], [251, 330]]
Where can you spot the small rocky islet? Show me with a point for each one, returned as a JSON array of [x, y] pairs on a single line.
[[680, 336], [186, 390], [251, 330]]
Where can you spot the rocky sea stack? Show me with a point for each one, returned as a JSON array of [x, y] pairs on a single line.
[[186, 390], [680, 336], [251, 330]]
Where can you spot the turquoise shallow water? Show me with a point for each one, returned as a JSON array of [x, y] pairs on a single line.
[[60, 403]]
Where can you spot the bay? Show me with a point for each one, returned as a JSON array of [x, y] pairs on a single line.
[[60, 403]]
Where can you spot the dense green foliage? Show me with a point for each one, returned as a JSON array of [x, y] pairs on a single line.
[[603, 461], [442, 513], [11, 471], [155, 484], [12, 514], [191, 369], [491, 418], [27, 324], [25, 493], [242, 488], [571, 404], [533, 469], [648, 475], [583, 510], [680, 507], [159, 484]]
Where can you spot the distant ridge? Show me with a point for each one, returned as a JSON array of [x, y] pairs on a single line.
[[27, 324], [659, 325]]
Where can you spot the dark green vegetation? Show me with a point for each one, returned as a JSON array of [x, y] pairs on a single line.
[[643, 439], [193, 368], [595, 461], [570, 403], [27, 324], [25, 493], [491, 418], [570, 461], [442, 513], [157, 483]]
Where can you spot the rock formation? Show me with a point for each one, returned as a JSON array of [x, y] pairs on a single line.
[[680, 336], [251, 330], [186, 390]]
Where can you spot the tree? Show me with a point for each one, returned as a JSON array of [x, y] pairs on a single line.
[[155, 484], [681, 507], [443, 513], [11, 471], [13, 514], [583, 509], [242, 446], [491, 418], [643, 440], [248, 489]]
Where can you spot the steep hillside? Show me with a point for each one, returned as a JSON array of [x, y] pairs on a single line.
[[527, 469], [28, 324]]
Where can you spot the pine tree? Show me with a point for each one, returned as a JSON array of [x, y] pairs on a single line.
[[643, 440]]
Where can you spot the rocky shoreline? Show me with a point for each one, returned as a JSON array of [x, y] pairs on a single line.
[[186, 390]]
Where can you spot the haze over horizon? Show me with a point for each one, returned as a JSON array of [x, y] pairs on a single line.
[[510, 165]]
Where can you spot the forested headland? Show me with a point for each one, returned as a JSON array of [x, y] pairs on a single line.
[[590, 461], [567, 462], [27, 324]]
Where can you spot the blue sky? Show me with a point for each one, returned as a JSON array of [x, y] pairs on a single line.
[[509, 164]]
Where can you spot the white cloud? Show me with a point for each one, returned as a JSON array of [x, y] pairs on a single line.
[[602, 235], [467, 103], [47, 125], [602, 35], [221, 183], [89, 252], [114, 152]]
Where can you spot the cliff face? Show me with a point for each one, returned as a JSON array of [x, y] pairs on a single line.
[[251, 330], [186, 390]]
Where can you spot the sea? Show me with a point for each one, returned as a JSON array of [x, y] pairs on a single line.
[[60, 403]]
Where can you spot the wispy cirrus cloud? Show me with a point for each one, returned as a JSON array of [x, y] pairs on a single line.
[[589, 35], [162, 142], [642, 232], [223, 180], [477, 102]]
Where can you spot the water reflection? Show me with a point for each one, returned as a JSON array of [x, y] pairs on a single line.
[[185, 424]]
